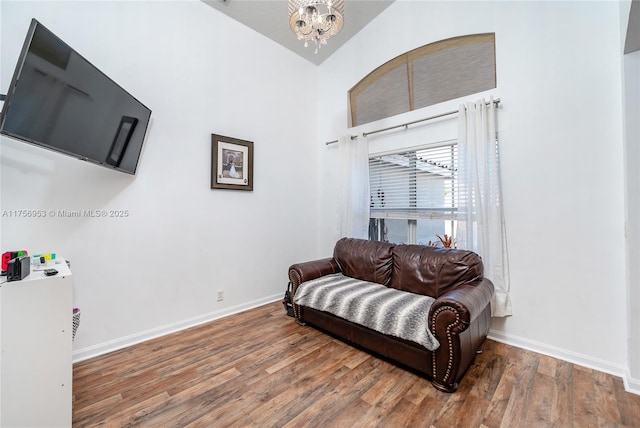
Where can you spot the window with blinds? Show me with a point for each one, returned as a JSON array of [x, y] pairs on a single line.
[[413, 194], [425, 76]]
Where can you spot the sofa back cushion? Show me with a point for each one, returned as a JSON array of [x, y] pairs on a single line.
[[366, 260], [433, 271]]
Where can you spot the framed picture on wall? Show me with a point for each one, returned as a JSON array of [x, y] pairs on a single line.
[[231, 163]]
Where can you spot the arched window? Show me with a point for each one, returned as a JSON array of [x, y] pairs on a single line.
[[428, 75]]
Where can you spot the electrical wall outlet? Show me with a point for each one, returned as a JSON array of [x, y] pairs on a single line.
[[220, 295]]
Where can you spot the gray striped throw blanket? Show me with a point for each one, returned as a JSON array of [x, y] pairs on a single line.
[[383, 309]]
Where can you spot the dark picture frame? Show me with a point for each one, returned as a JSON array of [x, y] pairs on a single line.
[[231, 163]]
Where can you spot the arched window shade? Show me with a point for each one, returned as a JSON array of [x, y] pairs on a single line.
[[428, 75]]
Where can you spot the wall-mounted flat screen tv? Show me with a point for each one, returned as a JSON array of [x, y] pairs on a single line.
[[60, 101]]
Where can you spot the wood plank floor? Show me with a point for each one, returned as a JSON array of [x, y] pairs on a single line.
[[260, 368]]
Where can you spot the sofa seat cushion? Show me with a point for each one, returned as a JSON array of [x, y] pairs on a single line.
[[383, 309]]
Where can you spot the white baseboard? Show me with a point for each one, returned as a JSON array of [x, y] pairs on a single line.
[[630, 384], [123, 342]]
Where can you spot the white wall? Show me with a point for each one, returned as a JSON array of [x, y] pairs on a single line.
[[160, 268], [632, 158], [560, 123], [631, 98]]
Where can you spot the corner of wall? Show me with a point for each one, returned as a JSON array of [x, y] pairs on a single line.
[[630, 384]]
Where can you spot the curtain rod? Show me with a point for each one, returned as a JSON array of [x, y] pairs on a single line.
[[404, 125]]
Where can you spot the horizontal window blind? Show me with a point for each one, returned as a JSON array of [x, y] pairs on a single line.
[[415, 184]]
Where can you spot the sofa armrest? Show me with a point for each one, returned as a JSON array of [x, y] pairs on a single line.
[[460, 319], [301, 272], [464, 304]]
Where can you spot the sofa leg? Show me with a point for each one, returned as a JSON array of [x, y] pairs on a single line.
[[479, 351], [302, 323], [444, 388]]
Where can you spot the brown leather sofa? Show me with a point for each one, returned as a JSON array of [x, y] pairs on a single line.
[[459, 318]]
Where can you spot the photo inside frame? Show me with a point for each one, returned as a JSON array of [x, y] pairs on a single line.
[[232, 165], [233, 161]]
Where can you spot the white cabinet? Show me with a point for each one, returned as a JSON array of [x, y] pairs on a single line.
[[36, 346]]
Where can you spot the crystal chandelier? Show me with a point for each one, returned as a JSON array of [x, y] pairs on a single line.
[[316, 20]]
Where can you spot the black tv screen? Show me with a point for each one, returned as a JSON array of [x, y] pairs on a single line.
[[60, 101]]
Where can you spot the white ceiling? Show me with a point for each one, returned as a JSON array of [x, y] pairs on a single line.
[[271, 18]]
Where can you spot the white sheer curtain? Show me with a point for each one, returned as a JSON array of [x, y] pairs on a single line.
[[354, 187], [481, 225]]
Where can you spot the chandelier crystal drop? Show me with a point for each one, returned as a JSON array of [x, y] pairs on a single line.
[[316, 20]]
